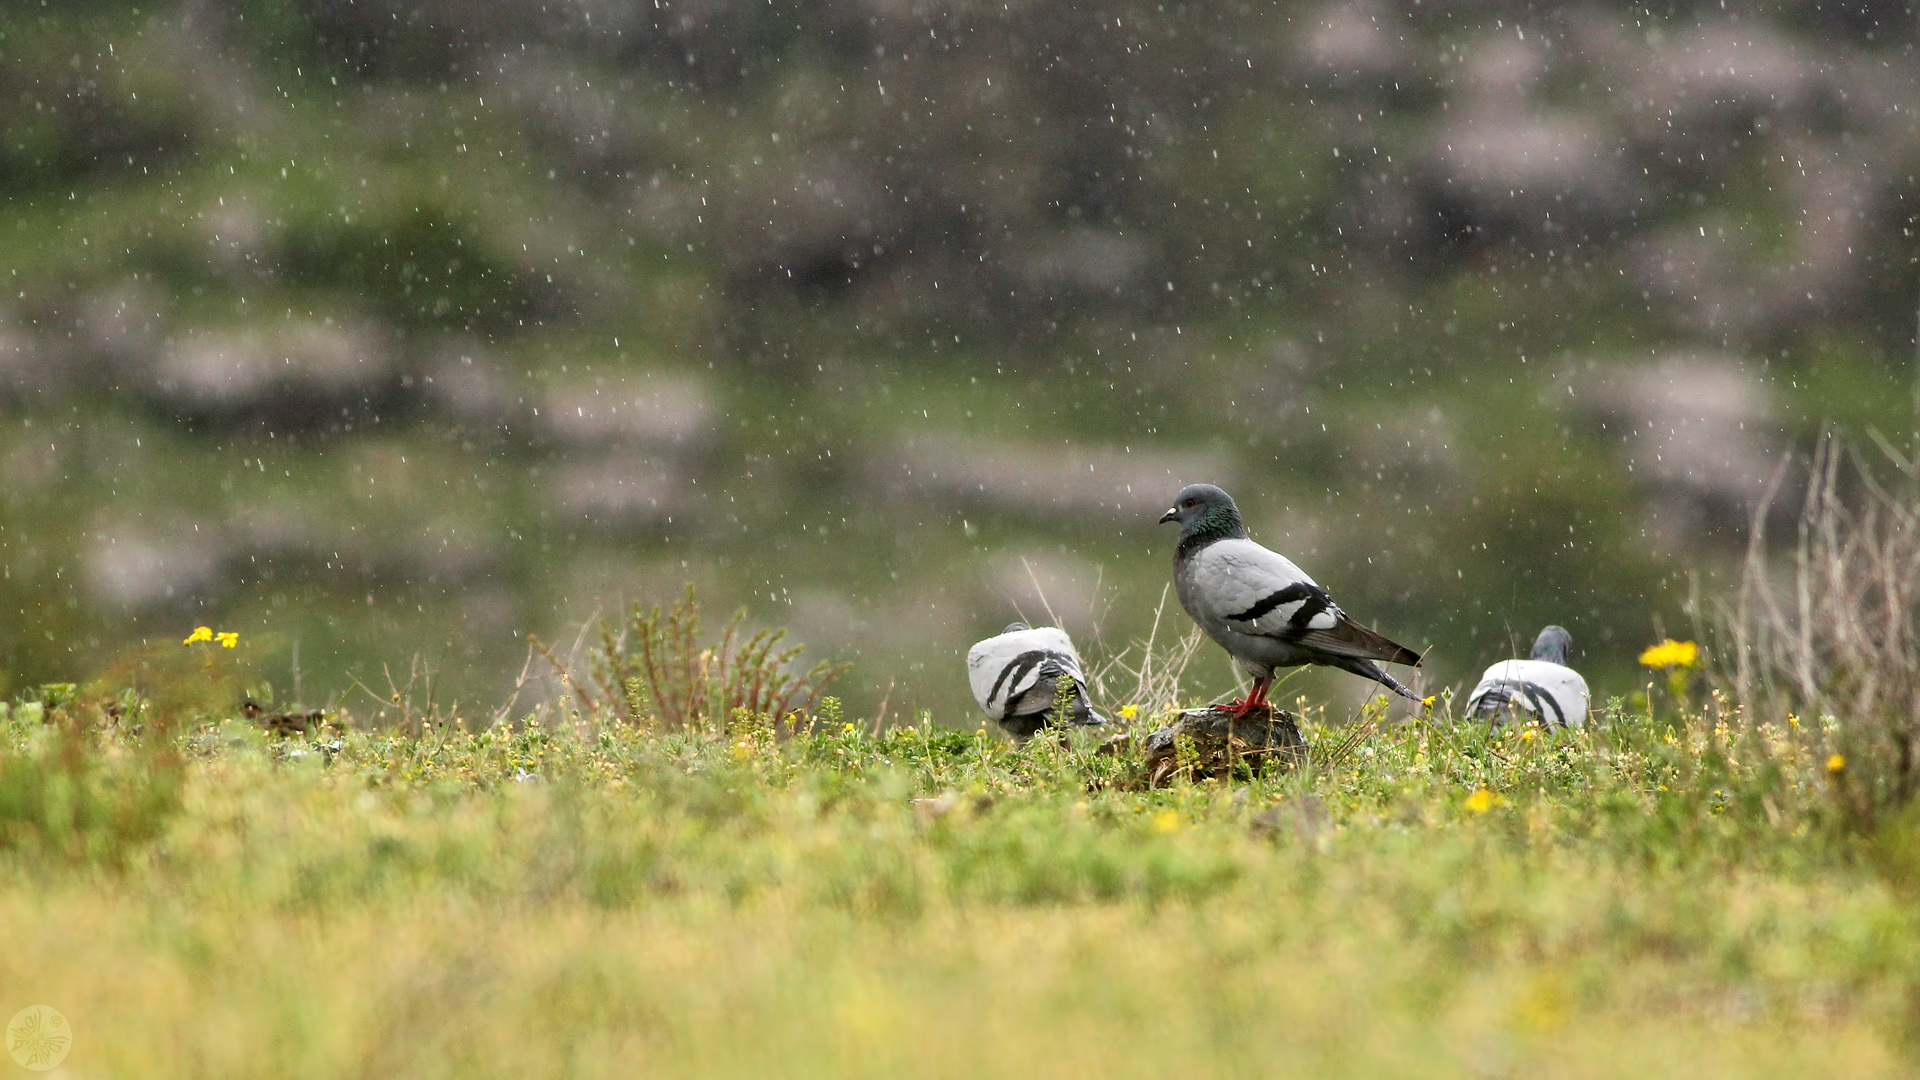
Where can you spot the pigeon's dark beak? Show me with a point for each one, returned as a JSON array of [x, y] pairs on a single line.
[[1172, 514]]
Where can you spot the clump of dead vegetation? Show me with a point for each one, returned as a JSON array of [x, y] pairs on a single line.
[[1825, 639]]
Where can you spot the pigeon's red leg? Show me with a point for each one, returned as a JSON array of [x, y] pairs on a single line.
[[1256, 698]]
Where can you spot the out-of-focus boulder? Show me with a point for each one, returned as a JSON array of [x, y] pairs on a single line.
[[1354, 42], [1502, 170], [468, 385], [1697, 431], [1722, 75], [1734, 281], [122, 326], [652, 409], [1042, 479], [1711, 272], [238, 233], [1085, 262], [26, 368], [1505, 69], [136, 568], [614, 489], [811, 218], [300, 372], [591, 124], [1418, 449]]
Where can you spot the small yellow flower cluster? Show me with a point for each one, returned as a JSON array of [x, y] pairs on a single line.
[[1427, 702], [228, 639], [1166, 821], [1484, 800], [1128, 712], [1671, 654], [1836, 765]]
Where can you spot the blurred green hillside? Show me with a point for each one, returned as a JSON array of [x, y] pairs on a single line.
[[374, 329]]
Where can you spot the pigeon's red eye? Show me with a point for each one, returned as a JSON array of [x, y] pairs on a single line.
[[1188, 504]]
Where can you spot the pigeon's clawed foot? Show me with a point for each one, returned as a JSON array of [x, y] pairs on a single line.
[[1255, 699]]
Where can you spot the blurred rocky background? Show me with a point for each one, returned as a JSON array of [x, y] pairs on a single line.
[[383, 330]]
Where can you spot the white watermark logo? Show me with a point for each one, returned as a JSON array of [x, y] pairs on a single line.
[[39, 1037]]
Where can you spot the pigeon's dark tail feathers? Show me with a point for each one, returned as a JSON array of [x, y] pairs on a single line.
[[1367, 669], [1024, 726], [1404, 656], [1492, 705], [1349, 638]]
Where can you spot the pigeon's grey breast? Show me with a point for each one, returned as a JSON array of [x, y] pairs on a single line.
[[1555, 693], [1016, 673]]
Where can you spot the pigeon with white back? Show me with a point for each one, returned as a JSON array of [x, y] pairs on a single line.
[[1016, 679], [1256, 604], [1542, 686]]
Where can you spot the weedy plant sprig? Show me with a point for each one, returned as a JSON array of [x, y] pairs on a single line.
[[657, 672]]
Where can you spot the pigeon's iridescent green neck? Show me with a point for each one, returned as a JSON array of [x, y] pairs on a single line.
[[1220, 522]]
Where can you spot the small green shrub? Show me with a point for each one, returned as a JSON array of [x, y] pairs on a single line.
[[657, 672], [76, 791]]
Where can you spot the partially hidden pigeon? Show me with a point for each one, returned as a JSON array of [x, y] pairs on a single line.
[[1265, 611], [1542, 687], [1016, 679]]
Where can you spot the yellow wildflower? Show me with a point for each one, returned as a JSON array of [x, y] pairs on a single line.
[[1836, 765], [1671, 654], [1166, 821], [1483, 800], [200, 633], [742, 750], [1427, 702], [228, 638], [1128, 712], [848, 729]]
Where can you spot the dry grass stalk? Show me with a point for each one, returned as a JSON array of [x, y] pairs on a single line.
[[1836, 645], [1152, 682]]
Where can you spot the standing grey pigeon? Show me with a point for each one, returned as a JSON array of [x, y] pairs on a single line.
[[1015, 676], [1543, 686], [1265, 611]]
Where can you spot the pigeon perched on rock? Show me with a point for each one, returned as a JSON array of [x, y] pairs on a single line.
[[1542, 687], [1265, 611], [1016, 679]]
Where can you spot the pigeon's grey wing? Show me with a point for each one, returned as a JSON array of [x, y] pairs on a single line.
[[1496, 692], [1553, 692], [1004, 669], [1261, 592], [1254, 589], [1349, 638], [1563, 689]]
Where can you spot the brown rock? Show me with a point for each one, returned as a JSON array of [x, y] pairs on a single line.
[[1211, 742]]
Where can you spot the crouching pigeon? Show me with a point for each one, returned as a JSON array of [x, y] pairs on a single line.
[[1265, 611], [1016, 678], [1542, 687]]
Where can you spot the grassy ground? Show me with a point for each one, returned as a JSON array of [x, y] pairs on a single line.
[[1650, 897]]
